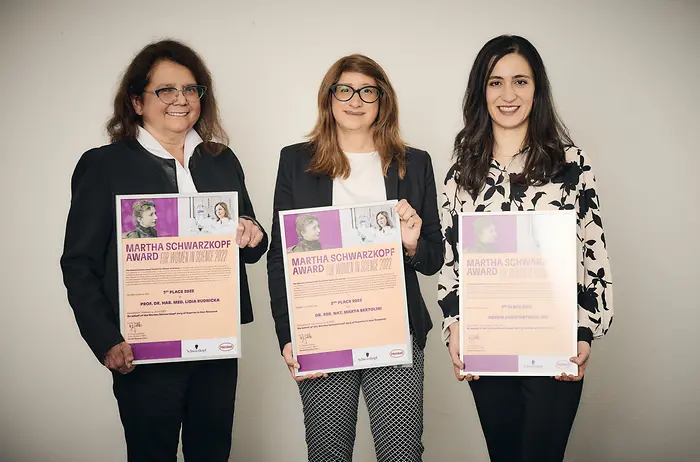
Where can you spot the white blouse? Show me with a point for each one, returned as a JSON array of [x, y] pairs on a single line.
[[365, 183], [185, 184]]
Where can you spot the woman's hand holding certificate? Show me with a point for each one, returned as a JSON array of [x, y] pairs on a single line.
[[410, 226], [248, 234], [120, 358], [294, 366], [584, 352], [453, 348]]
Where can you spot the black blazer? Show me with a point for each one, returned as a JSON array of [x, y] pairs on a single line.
[[89, 260], [296, 189]]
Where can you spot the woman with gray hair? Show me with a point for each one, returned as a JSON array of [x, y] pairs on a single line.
[[309, 233], [144, 219]]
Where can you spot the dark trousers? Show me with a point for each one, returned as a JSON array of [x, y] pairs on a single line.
[[526, 418], [156, 400]]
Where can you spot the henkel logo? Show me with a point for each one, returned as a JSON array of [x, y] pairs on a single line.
[[563, 364], [226, 346], [197, 349], [397, 353]]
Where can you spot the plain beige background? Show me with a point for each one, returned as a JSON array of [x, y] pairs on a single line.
[[625, 77]]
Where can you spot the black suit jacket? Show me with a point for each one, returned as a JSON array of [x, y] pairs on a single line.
[[89, 260], [296, 189]]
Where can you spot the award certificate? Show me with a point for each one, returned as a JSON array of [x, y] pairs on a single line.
[[179, 297], [518, 293], [345, 287]]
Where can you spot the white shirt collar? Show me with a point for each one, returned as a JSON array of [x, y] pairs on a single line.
[[192, 140]]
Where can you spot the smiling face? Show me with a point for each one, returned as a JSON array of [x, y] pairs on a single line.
[[355, 115], [220, 211], [510, 92], [381, 220], [168, 120]]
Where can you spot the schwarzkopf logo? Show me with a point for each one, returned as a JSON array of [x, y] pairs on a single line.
[[532, 365], [367, 357], [197, 349]]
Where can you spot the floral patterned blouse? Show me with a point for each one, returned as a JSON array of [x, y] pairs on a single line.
[[572, 189]]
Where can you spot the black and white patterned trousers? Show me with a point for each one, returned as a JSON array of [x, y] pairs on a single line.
[[394, 397]]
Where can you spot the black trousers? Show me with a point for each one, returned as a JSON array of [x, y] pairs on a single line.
[[156, 400], [526, 419]]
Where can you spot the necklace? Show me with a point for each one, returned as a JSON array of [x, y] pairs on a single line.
[[506, 167]]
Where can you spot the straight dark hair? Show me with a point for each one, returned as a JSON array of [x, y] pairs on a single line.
[[546, 138], [124, 123]]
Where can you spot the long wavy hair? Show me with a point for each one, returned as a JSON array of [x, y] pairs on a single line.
[[389, 224], [328, 157], [124, 123], [224, 206], [546, 138]]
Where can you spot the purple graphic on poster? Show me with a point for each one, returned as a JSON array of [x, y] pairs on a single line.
[[147, 217], [489, 234], [313, 230]]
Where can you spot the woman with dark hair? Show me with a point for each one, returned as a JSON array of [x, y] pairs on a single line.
[[166, 138], [514, 154], [356, 155]]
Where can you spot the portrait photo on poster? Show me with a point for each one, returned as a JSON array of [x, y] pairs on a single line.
[[312, 230], [490, 234], [369, 224], [146, 217], [209, 215]]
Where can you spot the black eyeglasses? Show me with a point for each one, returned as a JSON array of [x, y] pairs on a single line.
[[368, 94], [168, 95]]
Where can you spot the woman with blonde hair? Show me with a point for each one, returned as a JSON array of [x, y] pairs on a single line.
[[356, 155]]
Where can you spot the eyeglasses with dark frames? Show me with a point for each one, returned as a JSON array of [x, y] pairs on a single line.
[[369, 94], [169, 95]]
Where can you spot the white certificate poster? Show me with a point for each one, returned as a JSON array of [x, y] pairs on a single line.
[[179, 297], [518, 293], [346, 288]]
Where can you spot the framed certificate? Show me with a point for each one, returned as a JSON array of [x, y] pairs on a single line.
[[179, 297], [518, 292], [345, 287]]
